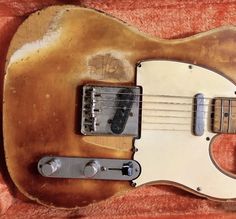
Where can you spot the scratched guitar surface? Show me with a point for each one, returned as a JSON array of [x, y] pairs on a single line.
[[98, 49]]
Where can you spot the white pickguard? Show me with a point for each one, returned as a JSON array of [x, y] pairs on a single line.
[[173, 153]]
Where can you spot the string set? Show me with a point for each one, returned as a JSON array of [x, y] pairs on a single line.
[[190, 116]]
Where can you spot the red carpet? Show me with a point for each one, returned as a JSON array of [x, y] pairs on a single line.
[[164, 19]]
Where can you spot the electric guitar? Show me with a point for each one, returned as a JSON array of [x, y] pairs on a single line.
[[93, 108]]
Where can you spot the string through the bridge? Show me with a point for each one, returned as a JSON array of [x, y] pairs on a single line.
[[150, 95], [155, 109], [161, 102], [150, 102], [192, 111]]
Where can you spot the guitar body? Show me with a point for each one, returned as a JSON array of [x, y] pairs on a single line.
[[58, 50]]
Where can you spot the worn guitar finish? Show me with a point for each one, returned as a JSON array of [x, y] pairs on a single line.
[[42, 96]]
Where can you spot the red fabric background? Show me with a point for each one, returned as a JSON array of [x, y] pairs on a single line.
[[164, 19]]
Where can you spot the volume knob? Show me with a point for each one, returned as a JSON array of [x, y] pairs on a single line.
[[50, 167], [91, 169]]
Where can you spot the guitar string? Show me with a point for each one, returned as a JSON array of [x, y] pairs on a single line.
[[153, 95], [166, 123], [144, 120], [150, 95], [172, 110], [164, 103], [177, 130], [160, 102], [155, 109], [150, 102], [192, 118], [174, 123], [190, 123], [170, 103], [167, 116], [170, 116]]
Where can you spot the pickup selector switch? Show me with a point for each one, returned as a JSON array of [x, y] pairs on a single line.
[[91, 169]]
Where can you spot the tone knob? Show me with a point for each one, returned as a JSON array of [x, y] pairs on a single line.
[[91, 169], [50, 167]]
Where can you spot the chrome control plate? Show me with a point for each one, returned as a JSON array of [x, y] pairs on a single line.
[[88, 168]]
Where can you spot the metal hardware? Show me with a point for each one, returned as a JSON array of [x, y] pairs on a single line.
[[91, 168], [125, 99], [50, 167], [198, 111], [127, 169], [110, 110], [199, 189]]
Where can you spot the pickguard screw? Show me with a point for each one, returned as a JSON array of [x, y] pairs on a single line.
[[199, 189], [190, 66], [207, 138], [103, 168], [226, 114], [134, 149], [139, 65], [133, 184]]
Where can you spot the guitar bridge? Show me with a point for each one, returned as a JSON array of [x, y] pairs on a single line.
[[110, 110]]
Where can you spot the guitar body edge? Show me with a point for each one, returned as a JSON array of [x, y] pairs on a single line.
[[46, 70]]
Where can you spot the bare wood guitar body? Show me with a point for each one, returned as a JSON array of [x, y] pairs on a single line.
[[65, 47]]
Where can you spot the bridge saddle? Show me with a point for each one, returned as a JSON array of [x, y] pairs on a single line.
[[110, 110]]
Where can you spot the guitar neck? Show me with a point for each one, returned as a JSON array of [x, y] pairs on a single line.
[[224, 119]]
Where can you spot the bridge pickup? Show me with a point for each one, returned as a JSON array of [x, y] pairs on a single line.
[[110, 110], [124, 99], [198, 111], [88, 168]]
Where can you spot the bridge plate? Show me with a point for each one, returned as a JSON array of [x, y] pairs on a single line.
[[110, 110]]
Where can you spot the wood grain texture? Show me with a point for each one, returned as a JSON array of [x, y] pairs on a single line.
[[43, 125], [166, 19]]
